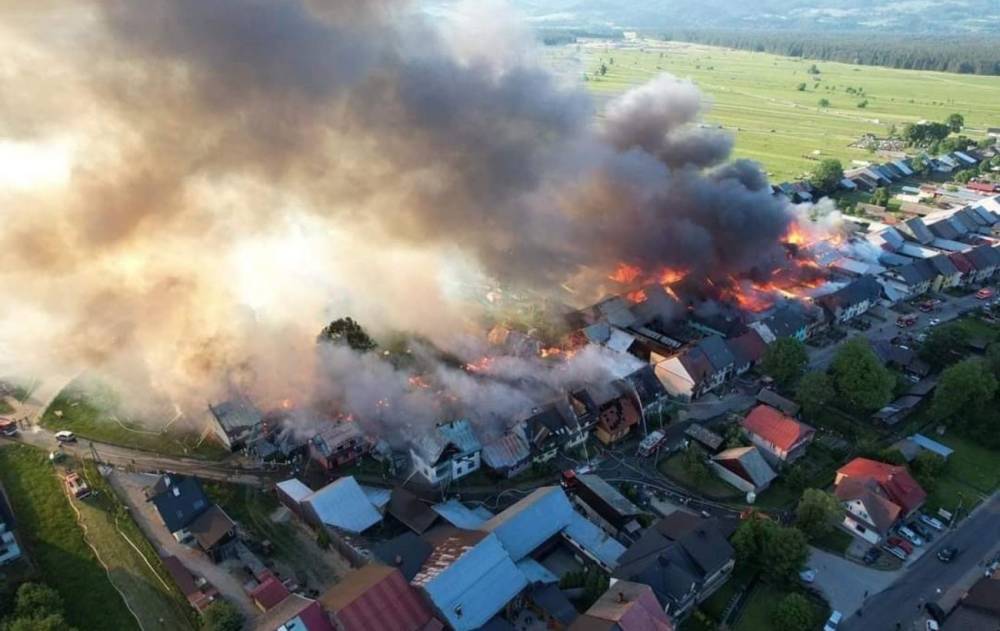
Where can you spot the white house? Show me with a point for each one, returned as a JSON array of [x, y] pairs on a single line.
[[451, 451]]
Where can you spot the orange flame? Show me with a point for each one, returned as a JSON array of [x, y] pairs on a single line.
[[483, 364], [417, 381], [626, 274], [636, 296]]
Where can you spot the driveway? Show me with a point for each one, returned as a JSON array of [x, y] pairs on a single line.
[[845, 584]]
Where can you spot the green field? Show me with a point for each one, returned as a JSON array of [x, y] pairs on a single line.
[[54, 541], [94, 413], [755, 95]]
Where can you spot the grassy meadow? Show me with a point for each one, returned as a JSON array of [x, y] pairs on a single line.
[[757, 96]]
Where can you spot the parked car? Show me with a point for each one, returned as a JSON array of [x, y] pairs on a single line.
[[808, 575], [984, 294], [910, 536], [935, 321], [945, 555], [65, 436], [935, 611], [872, 555], [905, 546], [7, 427], [896, 552], [933, 523], [833, 621], [923, 530]]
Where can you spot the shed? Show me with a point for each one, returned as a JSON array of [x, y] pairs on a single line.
[[932, 446]]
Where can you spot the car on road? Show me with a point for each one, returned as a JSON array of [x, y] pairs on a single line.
[[905, 546], [896, 552], [910, 536], [935, 321], [833, 621], [65, 436], [947, 554], [808, 575], [933, 523], [872, 555], [984, 294]]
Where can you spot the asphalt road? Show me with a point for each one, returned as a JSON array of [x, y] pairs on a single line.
[[929, 580], [951, 308]]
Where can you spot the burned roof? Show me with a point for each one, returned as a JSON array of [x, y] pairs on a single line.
[[331, 436], [410, 510], [407, 553], [458, 433], [786, 321], [236, 414], [646, 384]]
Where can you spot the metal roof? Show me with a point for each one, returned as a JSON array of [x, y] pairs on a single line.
[[458, 433], [295, 489], [932, 445], [531, 521], [609, 494], [459, 515], [592, 540], [509, 450], [236, 413], [535, 572], [752, 462], [344, 505], [379, 497]]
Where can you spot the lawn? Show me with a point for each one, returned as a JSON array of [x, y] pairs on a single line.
[[973, 471], [710, 486], [54, 541], [836, 541], [94, 412], [756, 614], [756, 96], [135, 566]]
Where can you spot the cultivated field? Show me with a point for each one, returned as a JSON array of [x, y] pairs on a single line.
[[756, 96]]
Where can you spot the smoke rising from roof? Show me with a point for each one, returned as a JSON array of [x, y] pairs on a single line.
[[244, 170]]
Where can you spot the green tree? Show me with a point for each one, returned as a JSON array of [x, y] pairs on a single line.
[[51, 622], [943, 345], [793, 613], [967, 392], [347, 331], [222, 616], [993, 358], [918, 165], [814, 392], [801, 87], [694, 463], [827, 175], [824, 102], [817, 513], [881, 197], [35, 599], [955, 122], [861, 381], [785, 360], [603, 70], [927, 468], [776, 551]]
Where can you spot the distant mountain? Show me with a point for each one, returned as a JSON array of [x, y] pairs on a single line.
[[896, 16]]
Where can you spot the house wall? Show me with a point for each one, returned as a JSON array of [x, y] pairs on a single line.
[[429, 473], [861, 530], [675, 378], [731, 477], [464, 465], [772, 454]]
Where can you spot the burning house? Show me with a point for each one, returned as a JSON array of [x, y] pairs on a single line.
[[701, 368], [449, 452], [236, 422], [338, 444]]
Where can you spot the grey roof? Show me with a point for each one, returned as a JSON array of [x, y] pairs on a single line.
[[858, 291], [786, 321], [178, 499], [406, 552], [458, 433], [919, 230], [717, 352], [753, 464], [917, 272], [944, 229], [509, 450], [236, 414], [295, 489], [610, 495], [551, 600], [410, 510], [646, 384], [775, 400], [344, 505], [704, 436], [943, 265]]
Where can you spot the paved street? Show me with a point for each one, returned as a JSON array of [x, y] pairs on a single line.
[[844, 583], [928, 579], [952, 307]]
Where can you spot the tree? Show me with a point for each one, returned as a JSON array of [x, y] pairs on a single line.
[[793, 613], [347, 331], [918, 165], [824, 102], [35, 599], [776, 551], [816, 513], [967, 392], [785, 360], [955, 122], [814, 392], [694, 463], [801, 87], [827, 175], [993, 358], [51, 622], [927, 468], [603, 70], [881, 197], [861, 381], [943, 344], [222, 616], [813, 69]]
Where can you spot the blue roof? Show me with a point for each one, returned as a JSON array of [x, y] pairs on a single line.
[[343, 504], [531, 521], [932, 445], [295, 489], [378, 496], [535, 572], [472, 588], [593, 541], [179, 500], [459, 515], [483, 512]]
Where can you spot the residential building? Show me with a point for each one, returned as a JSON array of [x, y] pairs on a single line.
[[782, 439], [294, 613], [338, 444], [875, 496], [743, 467], [550, 428], [699, 369], [213, 531], [626, 606], [706, 437], [852, 300], [747, 349], [410, 510], [979, 608], [178, 500], [508, 455], [605, 506], [377, 597], [986, 260], [654, 400], [198, 591], [237, 422], [948, 275], [787, 321], [775, 400], [343, 505], [617, 410], [684, 558], [269, 593], [897, 410], [913, 279], [468, 577], [448, 452]]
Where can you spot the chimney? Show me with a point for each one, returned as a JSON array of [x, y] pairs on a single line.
[[398, 560], [621, 597]]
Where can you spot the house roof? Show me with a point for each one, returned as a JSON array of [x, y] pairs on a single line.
[[469, 577], [786, 322], [943, 265], [182, 576], [609, 495], [589, 538], [775, 400], [747, 348], [882, 511], [649, 388], [344, 505], [508, 450], [895, 480], [856, 292], [459, 515], [236, 414], [331, 436], [550, 599], [625, 606], [751, 465], [294, 613], [410, 510], [211, 527], [717, 352], [774, 427], [932, 446], [407, 552], [178, 499], [269, 593], [963, 264], [458, 433], [919, 230], [531, 521], [295, 489], [375, 597], [704, 436]]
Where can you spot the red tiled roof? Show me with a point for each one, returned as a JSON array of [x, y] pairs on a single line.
[[895, 480], [782, 431], [376, 597], [963, 264], [882, 511], [269, 593]]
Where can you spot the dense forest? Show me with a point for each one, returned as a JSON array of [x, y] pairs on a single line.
[[967, 55]]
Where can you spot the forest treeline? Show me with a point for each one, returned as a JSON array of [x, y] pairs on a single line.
[[971, 54]]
